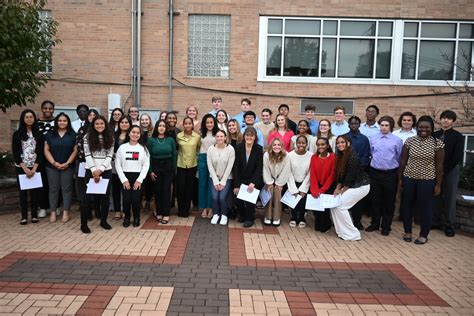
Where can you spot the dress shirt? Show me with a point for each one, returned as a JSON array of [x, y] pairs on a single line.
[[386, 150], [313, 126], [77, 124], [404, 135], [361, 146], [339, 128], [189, 146], [369, 130]]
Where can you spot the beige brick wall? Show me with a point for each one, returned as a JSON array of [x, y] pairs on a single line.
[[96, 47]]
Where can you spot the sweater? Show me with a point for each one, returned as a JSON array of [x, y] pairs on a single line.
[[132, 158], [265, 129], [207, 142], [276, 173], [299, 172], [453, 148], [99, 159], [220, 162], [321, 173], [164, 148]]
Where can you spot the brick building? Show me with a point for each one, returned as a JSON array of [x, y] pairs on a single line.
[[391, 53]]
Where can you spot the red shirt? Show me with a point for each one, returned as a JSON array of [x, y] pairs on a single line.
[[286, 139], [321, 173]]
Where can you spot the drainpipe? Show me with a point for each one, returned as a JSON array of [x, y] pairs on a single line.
[[170, 60], [139, 53], [136, 43]]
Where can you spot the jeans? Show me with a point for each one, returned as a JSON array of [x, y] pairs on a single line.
[[131, 198], [34, 195], [60, 181], [205, 198], [184, 181], [220, 199]]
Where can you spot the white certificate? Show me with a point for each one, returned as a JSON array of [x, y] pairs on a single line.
[[330, 201], [265, 196], [468, 197], [314, 204], [30, 183], [97, 188], [247, 196], [290, 199], [81, 172]]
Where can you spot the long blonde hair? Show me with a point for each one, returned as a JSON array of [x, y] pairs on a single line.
[[149, 129], [240, 137], [274, 157]]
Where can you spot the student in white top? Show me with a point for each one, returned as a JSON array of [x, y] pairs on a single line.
[[371, 127], [222, 119], [220, 160], [82, 111], [276, 171], [132, 162], [406, 122], [298, 181], [266, 125], [303, 130]]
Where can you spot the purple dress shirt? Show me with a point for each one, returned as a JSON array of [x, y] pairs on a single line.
[[386, 150]]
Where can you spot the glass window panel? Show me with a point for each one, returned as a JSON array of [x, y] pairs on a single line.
[[302, 27], [275, 26], [330, 28], [356, 58], [384, 53], [463, 62], [358, 28], [274, 56], [385, 29], [438, 30], [328, 58], [466, 31], [301, 57], [411, 29], [409, 59], [436, 60]]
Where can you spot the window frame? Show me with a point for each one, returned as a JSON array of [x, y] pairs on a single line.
[[396, 53], [48, 66]]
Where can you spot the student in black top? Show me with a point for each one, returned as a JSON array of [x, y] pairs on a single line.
[[284, 109], [27, 149], [445, 207], [248, 169], [115, 116]]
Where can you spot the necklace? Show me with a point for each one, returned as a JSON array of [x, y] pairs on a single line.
[[162, 142]]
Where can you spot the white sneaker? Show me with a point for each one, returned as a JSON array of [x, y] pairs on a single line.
[[292, 223], [214, 219], [42, 213], [223, 220], [302, 224], [276, 222], [58, 211], [267, 221]]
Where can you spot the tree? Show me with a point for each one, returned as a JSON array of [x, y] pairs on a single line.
[[26, 40]]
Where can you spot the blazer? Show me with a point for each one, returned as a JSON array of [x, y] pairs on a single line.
[[246, 172]]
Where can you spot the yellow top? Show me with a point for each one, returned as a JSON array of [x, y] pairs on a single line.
[[189, 146]]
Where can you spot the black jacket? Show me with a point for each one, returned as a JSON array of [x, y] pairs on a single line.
[[17, 149], [355, 175], [453, 147], [251, 171]]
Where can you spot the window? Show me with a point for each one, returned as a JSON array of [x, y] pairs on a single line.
[[365, 51], [48, 64], [326, 107], [208, 45]]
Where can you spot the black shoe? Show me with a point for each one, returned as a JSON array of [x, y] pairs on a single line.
[[126, 222], [85, 229], [23, 221], [136, 222], [359, 226], [371, 229], [240, 219], [385, 232], [248, 224], [421, 241], [105, 225], [34, 220], [450, 232]]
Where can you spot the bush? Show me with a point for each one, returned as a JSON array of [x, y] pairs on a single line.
[[7, 165], [466, 180]]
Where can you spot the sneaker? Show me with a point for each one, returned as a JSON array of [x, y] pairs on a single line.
[[34, 220], [23, 221], [42, 213], [267, 221], [215, 219], [292, 223], [223, 221], [276, 223], [302, 224]]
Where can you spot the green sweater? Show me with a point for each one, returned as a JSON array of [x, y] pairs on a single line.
[[162, 148]]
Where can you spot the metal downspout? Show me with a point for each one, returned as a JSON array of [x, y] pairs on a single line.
[[138, 54], [170, 61]]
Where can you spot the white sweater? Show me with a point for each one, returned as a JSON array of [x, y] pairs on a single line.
[[220, 162], [276, 173], [299, 172], [132, 159], [100, 159]]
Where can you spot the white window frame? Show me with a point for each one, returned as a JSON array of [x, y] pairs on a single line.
[[396, 54], [48, 68]]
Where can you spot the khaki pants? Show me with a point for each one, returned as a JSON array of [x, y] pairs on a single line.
[[273, 207]]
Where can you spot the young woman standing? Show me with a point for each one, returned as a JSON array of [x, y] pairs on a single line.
[[171, 129], [322, 180], [298, 181], [60, 151], [282, 131], [189, 143], [163, 165], [234, 135], [132, 163], [208, 131], [220, 161], [276, 171], [146, 123], [120, 135], [324, 130], [192, 112], [303, 130], [99, 150], [134, 114], [222, 119], [115, 116], [27, 149]]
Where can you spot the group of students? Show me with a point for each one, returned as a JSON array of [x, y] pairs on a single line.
[[206, 161]]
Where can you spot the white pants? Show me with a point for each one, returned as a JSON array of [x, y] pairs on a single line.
[[345, 229]]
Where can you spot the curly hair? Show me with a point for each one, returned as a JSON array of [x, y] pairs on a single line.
[[276, 157], [204, 128], [95, 142]]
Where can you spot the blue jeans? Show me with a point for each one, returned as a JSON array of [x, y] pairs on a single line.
[[204, 199], [220, 199], [417, 193]]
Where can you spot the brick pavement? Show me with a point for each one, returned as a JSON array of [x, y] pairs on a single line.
[[265, 271]]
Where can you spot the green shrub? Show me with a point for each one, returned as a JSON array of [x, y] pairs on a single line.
[[466, 180]]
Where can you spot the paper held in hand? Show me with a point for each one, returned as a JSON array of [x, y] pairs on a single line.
[[247, 196], [324, 201], [290, 199], [97, 188], [81, 172], [265, 196], [30, 183]]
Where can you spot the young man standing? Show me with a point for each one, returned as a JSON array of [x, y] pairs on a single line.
[[340, 125], [309, 114], [81, 111], [284, 109], [370, 127], [216, 105], [249, 118], [445, 209], [245, 103]]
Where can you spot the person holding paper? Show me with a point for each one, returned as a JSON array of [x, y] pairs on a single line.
[[353, 184], [276, 171], [220, 160], [298, 181], [322, 180], [60, 151], [98, 150], [247, 170], [27, 149], [132, 162]]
